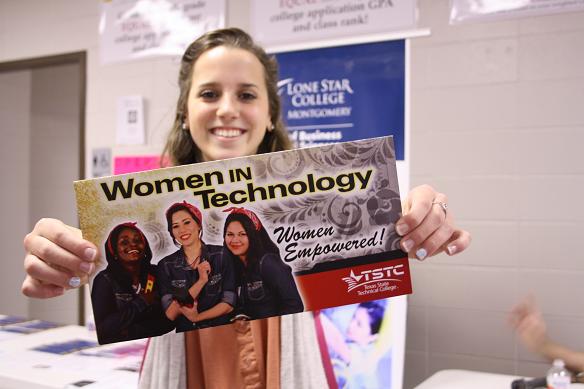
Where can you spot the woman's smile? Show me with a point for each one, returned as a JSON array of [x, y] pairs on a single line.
[[227, 132]]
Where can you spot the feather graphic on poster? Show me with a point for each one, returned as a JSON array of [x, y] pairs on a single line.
[[352, 281]]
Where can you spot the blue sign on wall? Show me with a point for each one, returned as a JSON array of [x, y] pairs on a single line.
[[344, 93]]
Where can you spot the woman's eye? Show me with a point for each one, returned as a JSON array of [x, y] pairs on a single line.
[[247, 96], [208, 94], [187, 222]]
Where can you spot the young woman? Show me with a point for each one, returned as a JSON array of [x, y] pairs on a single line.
[[125, 295], [196, 284], [228, 106], [265, 284]]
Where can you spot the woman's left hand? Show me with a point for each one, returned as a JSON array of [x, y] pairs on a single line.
[[427, 226], [190, 311]]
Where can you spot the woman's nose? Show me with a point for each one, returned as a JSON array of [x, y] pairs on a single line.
[[227, 107]]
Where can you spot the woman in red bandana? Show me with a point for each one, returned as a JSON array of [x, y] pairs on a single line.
[[265, 284], [196, 283], [125, 295]]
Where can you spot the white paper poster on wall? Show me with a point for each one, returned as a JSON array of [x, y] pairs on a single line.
[[474, 10], [131, 29], [130, 120], [293, 21]]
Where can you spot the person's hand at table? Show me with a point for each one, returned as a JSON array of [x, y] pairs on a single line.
[[427, 226], [57, 258], [528, 322]]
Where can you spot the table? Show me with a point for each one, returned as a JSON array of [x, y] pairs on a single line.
[[71, 356], [464, 379]]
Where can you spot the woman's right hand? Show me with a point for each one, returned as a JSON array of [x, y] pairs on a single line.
[[57, 258], [204, 268]]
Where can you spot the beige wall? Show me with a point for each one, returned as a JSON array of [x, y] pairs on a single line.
[[496, 124]]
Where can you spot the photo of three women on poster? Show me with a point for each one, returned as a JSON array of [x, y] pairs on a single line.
[[199, 285]]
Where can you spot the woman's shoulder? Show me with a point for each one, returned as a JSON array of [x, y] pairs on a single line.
[[170, 257], [102, 275], [213, 253], [213, 248], [103, 279], [271, 260], [151, 268]]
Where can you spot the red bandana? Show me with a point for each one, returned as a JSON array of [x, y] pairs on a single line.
[[252, 216], [192, 209]]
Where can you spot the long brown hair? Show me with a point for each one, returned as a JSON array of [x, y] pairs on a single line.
[[180, 147]]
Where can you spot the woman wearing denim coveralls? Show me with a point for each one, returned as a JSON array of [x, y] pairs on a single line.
[[125, 294], [197, 285], [265, 284]]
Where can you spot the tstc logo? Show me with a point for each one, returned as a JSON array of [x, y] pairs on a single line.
[[366, 277]]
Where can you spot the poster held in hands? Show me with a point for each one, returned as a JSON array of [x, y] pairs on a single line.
[[320, 223]]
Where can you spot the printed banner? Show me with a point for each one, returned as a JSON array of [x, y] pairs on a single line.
[[344, 93], [293, 21], [203, 245], [472, 10], [131, 29]]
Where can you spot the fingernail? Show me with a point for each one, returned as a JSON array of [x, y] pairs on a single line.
[[421, 253], [407, 245], [74, 282], [402, 228], [89, 254], [451, 249], [86, 267]]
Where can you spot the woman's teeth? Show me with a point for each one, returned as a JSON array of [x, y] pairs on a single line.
[[134, 252], [227, 132]]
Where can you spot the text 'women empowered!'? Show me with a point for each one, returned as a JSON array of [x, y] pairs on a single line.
[[207, 244]]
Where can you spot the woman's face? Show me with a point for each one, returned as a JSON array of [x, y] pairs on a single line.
[[227, 109], [185, 230], [236, 239], [130, 246]]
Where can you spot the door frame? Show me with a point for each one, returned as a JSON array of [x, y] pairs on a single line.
[[79, 58]]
